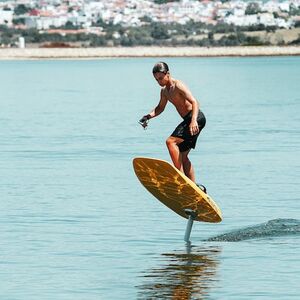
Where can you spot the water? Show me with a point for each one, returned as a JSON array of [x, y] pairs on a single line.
[[76, 223]]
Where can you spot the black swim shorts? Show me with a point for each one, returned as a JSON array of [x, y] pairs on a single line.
[[182, 131]]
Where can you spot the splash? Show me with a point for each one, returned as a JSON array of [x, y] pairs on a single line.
[[272, 228]]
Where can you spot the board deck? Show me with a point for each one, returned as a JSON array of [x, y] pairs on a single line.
[[175, 190]]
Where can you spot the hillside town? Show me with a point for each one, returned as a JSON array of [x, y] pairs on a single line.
[[85, 14]]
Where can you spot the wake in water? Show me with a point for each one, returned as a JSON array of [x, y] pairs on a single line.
[[273, 228]]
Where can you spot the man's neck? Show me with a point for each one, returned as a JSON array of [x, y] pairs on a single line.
[[170, 84]]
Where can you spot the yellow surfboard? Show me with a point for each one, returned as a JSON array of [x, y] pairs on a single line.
[[175, 190]]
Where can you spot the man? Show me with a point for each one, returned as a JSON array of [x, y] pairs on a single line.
[[185, 135]]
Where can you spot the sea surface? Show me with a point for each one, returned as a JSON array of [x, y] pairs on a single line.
[[75, 223]]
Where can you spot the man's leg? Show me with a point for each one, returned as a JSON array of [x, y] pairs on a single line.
[[172, 144], [187, 165]]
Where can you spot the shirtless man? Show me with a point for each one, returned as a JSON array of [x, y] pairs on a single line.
[[185, 135]]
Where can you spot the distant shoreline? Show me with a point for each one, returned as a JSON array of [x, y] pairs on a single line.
[[127, 52]]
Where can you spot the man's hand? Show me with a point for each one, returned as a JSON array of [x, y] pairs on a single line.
[[144, 121], [194, 128]]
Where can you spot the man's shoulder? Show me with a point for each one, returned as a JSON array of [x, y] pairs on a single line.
[[179, 84]]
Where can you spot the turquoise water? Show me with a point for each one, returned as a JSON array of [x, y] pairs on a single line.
[[76, 223]]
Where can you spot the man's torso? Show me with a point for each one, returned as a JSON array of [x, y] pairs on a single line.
[[174, 95]]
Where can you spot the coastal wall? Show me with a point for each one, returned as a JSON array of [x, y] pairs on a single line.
[[111, 52]]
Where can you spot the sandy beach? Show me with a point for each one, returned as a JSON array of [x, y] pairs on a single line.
[[115, 52]]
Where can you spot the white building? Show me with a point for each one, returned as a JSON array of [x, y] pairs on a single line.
[[44, 23], [246, 20], [267, 19], [271, 6], [6, 17], [239, 12], [284, 6], [283, 23]]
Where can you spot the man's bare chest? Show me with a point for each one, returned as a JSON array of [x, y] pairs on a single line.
[[173, 95]]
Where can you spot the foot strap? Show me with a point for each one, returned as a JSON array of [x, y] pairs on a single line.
[[202, 187]]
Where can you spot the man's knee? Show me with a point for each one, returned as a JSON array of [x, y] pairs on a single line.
[[170, 142]]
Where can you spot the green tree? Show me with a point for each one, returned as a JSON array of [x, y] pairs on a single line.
[[159, 32], [70, 25], [210, 36], [21, 9], [294, 10], [128, 41], [230, 40], [18, 21], [146, 19], [97, 41], [252, 8], [164, 1], [253, 41]]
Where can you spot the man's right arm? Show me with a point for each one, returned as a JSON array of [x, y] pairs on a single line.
[[159, 108]]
